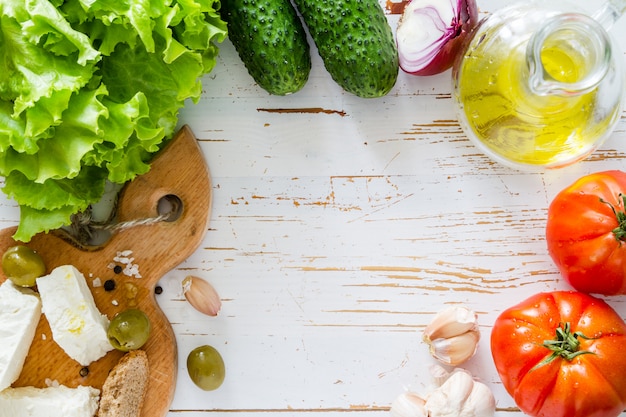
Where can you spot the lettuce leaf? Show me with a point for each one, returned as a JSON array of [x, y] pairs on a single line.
[[90, 90]]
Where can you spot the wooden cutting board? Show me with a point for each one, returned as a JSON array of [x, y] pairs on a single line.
[[178, 172]]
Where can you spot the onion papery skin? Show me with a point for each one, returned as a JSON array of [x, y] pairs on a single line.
[[431, 34]]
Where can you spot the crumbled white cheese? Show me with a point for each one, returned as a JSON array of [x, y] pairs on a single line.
[[53, 401], [76, 323], [97, 282], [20, 310]]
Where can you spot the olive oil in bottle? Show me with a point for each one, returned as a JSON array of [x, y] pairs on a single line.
[[532, 100]]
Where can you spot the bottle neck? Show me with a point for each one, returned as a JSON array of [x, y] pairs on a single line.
[[568, 56]]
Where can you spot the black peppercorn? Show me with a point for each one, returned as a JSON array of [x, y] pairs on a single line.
[[109, 285], [158, 289], [84, 371], [118, 269]]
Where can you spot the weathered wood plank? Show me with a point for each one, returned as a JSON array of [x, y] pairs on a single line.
[[339, 227]]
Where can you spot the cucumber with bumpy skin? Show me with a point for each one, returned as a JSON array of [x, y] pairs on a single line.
[[271, 41], [356, 43]]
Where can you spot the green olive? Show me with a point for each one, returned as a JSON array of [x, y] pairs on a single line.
[[206, 367], [22, 265], [129, 330]]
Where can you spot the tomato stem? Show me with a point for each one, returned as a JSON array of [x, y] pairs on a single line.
[[620, 231], [566, 345]]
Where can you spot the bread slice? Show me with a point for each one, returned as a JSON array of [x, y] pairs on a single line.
[[124, 389]]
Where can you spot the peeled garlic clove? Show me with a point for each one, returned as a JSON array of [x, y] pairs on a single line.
[[452, 321], [455, 350], [408, 404], [201, 295]]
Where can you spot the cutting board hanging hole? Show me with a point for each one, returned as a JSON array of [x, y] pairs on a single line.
[[170, 207], [87, 233]]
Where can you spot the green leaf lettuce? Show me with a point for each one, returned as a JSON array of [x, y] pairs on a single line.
[[89, 91]]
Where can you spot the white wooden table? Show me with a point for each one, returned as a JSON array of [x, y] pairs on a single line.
[[339, 227]]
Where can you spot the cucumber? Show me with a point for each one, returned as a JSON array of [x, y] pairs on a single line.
[[355, 42], [271, 41]]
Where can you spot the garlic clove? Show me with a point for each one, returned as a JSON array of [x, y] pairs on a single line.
[[452, 336], [408, 404], [439, 374], [448, 400], [201, 295], [480, 403], [455, 350], [458, 395], [450, 322]]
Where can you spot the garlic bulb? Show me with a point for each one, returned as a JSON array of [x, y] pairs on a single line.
[[452, 336], [408, 404], [201, 295], [459, 395]]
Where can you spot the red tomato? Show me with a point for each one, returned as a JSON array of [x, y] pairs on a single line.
[[586, 233], [561, 354]]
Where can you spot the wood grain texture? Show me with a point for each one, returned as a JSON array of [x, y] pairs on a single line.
[[339, 227], [179, 170]]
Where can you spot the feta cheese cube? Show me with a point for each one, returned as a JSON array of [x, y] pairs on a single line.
[[59, 401], [76, 323], [20, 310]]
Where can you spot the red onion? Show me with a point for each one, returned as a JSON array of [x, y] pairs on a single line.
[[430, 34]]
